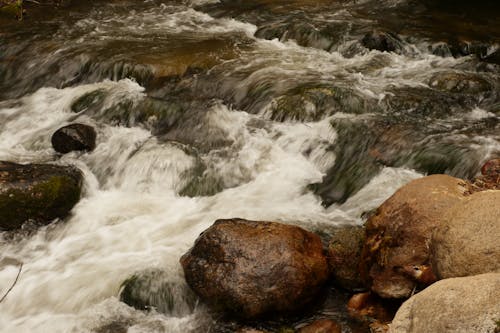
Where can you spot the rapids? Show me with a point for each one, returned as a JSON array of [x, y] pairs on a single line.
[[207, 110]]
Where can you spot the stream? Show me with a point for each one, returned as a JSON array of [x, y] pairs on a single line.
[[264, 110]]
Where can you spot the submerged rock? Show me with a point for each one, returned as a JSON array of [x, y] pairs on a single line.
[[467, 304], [395, 257], [381, 41], [154, 289], [251, 269], [74, 137], [467, 241], [36, 192], [321, 326], [344, 255]]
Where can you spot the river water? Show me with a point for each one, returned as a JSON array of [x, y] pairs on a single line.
[[270, 110]]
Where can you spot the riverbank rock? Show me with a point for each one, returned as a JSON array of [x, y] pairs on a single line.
[[321, 326], [74, 137], [467, 241], [395, 256], [489, 178], [36, 192], [251, 269], [467, 304], [344, 255], [154, 289]]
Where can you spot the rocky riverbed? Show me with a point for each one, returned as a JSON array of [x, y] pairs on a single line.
[[266, 166]]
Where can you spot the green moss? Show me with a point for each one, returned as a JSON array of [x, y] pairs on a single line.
[[42, 202], [152, 289], [91, 100], [311, 103], [12, 8], [201, 183]]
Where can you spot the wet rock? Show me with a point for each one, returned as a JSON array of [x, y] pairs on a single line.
[[74, 137], [36, 192], [312, 102], [491, 168], [344, 255], [467, 304], [369, 307], [154, 289], [460, 83], [381, 41], [395, 257], [466, 242], [489, 178], [251, 269], [321, 326]]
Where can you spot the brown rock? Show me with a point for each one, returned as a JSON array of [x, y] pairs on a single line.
[[467, 304], [251, 269], [467, 241], [322, 326], [369, 307], [491, 168], [344, 254], [397, 236]]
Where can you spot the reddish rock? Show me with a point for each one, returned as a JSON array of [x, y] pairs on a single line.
[[251, 269], [321, 326], [395, 259], [369, 307]]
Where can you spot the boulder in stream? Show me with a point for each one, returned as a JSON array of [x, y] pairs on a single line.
[[252, 269], [74, 137], [395, 257], [381, 41], [467, 241], [155, 289], [36, 192], [466, 304]]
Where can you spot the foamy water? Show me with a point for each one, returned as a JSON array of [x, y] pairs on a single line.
[[131, 216]]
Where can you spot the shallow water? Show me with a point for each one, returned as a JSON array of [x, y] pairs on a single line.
[[198, 119]]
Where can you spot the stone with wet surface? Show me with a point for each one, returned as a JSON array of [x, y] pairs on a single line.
[[36, 192], [251, 269]]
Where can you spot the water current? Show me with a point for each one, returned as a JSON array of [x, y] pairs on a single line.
[[263, 110]]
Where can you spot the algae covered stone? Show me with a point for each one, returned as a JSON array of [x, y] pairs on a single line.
[[36, 192], [155, 289]]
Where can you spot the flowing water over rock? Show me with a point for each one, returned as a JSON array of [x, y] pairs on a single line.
[[264, 110]]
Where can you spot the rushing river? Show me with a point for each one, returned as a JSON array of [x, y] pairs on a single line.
[[206, 110]]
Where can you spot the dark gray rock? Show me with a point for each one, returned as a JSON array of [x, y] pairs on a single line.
[[74, 137]]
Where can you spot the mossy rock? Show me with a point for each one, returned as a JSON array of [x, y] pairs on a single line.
[[344, 255], [36, 192], [155, 289], [12, 8], [312, 103], [202, 183], [91, 100]]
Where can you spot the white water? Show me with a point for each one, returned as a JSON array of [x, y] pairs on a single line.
[[133, 219], [131, 216]]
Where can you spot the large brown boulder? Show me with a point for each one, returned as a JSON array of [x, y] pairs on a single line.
[[468, 240], [251, 269], [458, 305], [36, 192], [395, 256]]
